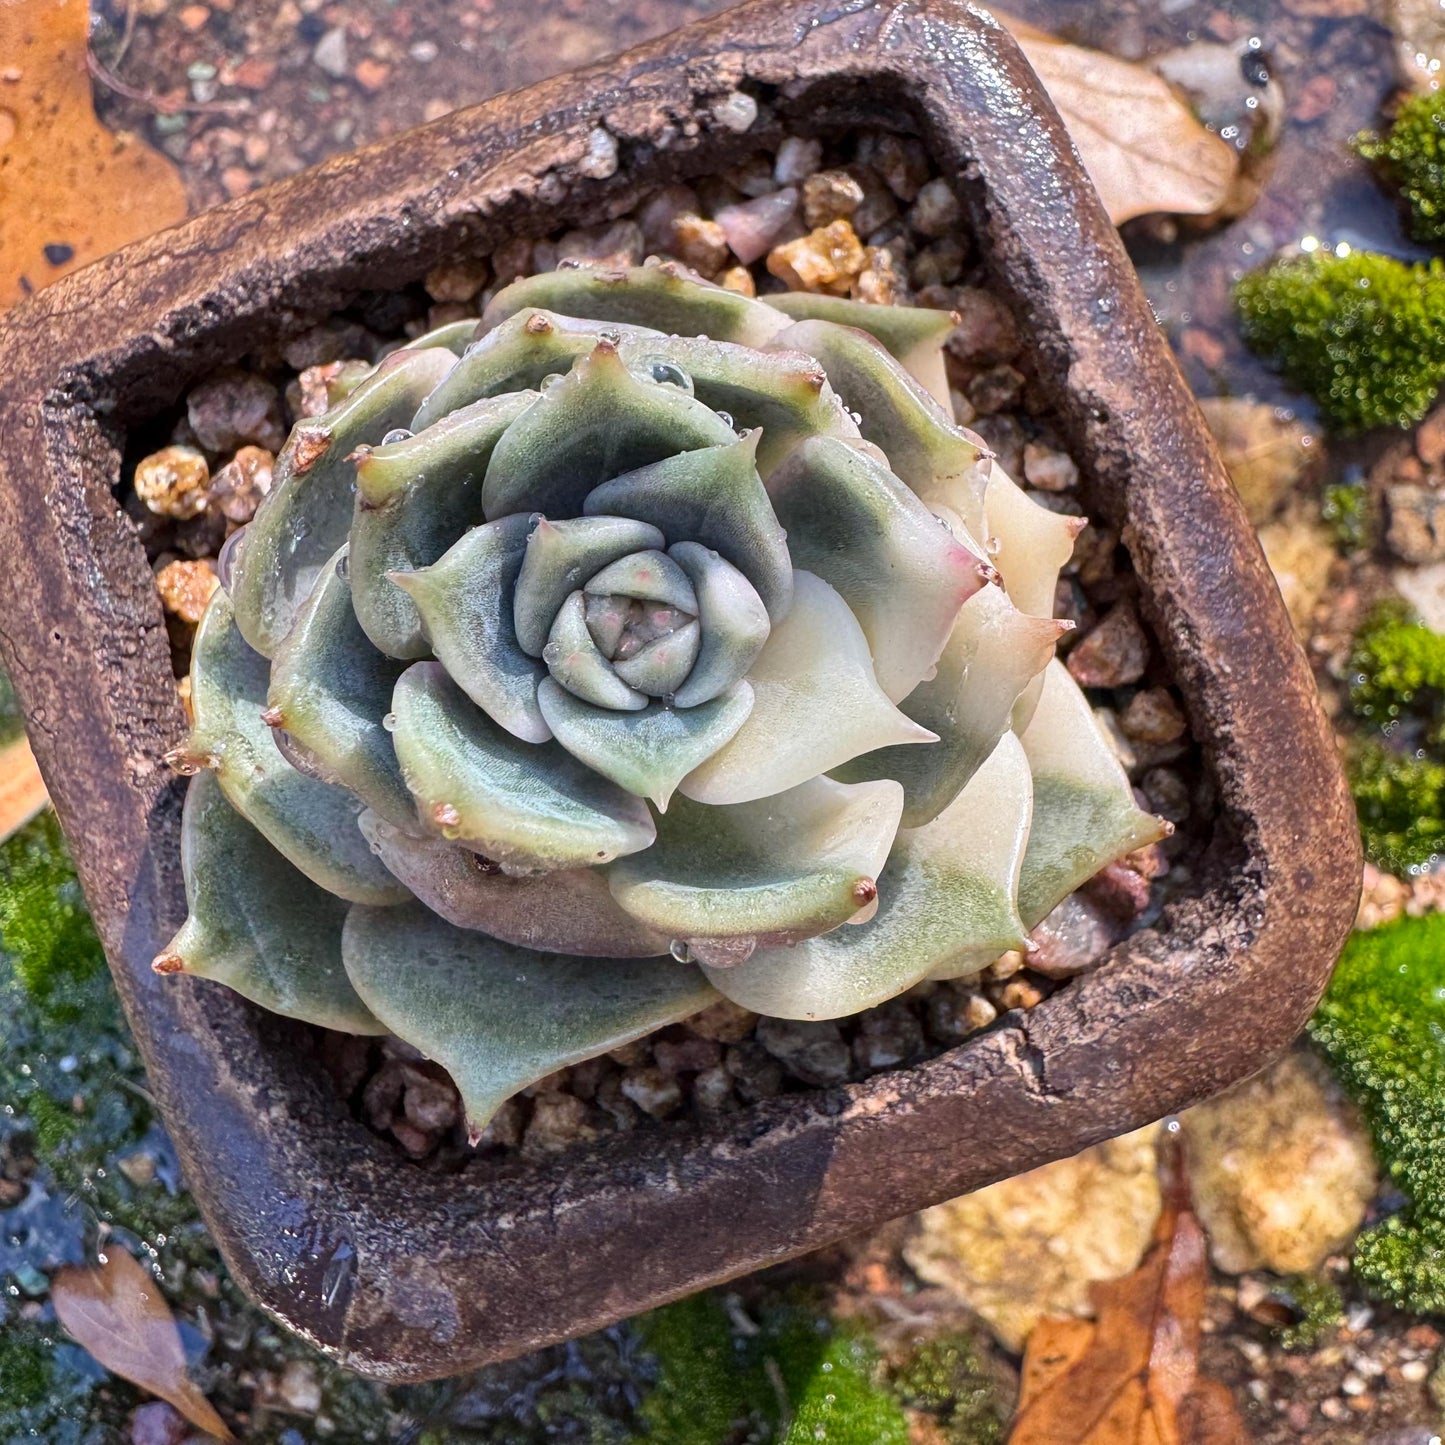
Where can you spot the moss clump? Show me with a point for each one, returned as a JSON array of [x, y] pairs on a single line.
[[1400, 799], [1381, 1026], [1411, 157], [1398, 670], [11, 724], [1362, 334], [1345, 510], [706, 1382], [945, 1379], [1320, 1307]]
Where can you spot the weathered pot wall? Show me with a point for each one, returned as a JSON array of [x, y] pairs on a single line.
[[409, 1274]]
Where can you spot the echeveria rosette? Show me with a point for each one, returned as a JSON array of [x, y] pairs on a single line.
[[644, 643]]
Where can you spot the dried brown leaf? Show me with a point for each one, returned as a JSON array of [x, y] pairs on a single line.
[[22, 793], [70, 190], [1131, 1378], [117, 1312], [1142, 148]]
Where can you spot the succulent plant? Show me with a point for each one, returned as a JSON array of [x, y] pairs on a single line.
[[640, 643]]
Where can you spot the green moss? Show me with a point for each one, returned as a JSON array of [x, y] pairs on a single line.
[[706, 1385], [1381, 1026], [945, 1378], [1398, 669], [1346, 511], [1363, 334], [1321, 1308], [11, 725], [1411, 157], [1400, 799]]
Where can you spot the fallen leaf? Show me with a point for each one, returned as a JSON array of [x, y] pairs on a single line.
[[117, 1312], [1132, 1376], [22, 793], [1142, 148], [70, 190]]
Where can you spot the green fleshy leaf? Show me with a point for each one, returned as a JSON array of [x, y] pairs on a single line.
[[732, 619], [414, 498], [817, 705], [596, 422], [497, 1017], [455, 336], [785, 394], [851, 522], [563, 556], [307, 514], [465, 603], [566, 912], [532, 808], [649, 576], [781, 869], [332, 689], [577, 664], [923, 446], [518, 355], [667, 297], [658, 668], [1085, 815], [311, 823], [256, 924], [913, 335], [715, 497], [992, 655], [647, 752], [946, 903]]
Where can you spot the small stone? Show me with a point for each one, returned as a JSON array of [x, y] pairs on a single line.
[[996, 389], [1267, 452], [235, 409], [798, 157], [1414, 1372], [620, 1112], [755, 1073], [1415, 525], [321, 387], [1152, 716], [936, 211], [1020, 993], [600, 158], [653, 1091], [739, 279], [1119, 890], [878, 210], [701, 244], [1168, 794], [558, 1122], [940, 263], [1300, 550], [457, 280], [298, 1387], [194, 18], [329, 56], [443, 313], [371, 75], [687, 1055], [752, 176], [887, 1036], [430, 1103], [1073, 938], [139, 1168], [712, 1090], [829, 196], [812, 1052], [505, 1128], [754, 227], [881, 281], [157, 1423], [1048, 469], [186, 588], [512, 259], [978, 1012], [1280, 1167], [901, 161], [736, 111], [825, 260], [657, 214], [236, 181], [724, 1021], [173, 482], [985, 332], [1005, 965], [237, 489], [1034, 1245], [619, 244], [335, 340], [1114, 652]]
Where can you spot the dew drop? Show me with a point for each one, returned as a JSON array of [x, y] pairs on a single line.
[[550, 381], [680, 951], [552, 654], [389, 722], [343, 566], [610, 338], [397, 434], [666, 374], [226, 560], [726, 418], [993, 546]]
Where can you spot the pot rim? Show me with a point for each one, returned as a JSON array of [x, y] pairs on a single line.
[[407, 1274]]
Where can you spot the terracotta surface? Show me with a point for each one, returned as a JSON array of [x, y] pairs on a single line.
[[409, 1274]]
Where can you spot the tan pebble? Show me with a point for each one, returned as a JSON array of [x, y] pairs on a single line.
[[936, 211], [186, 588], [1020, 993], [237, 489], [798, 157], [457, 280], [830, 196], [739, 279], [825, 260], [1005, 965], [978, 1012], [881, 282], [371, 75], [724, 1021], [701, 244], [194, 17], [172, 482], [901, 161], [1048, 469], [652, 1091], [1152, 716]]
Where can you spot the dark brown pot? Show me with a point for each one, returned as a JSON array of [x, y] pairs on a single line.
[[409, 1274]]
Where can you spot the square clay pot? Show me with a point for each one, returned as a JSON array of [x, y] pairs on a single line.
[[408, 1274]]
